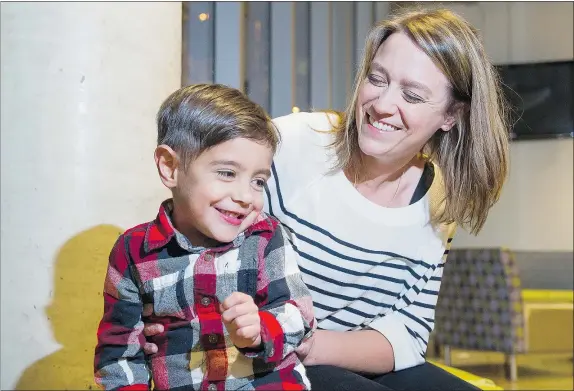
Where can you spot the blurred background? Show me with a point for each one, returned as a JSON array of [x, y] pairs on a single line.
[[81, 83]]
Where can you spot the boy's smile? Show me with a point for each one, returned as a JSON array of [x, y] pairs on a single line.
[[221, 192], [232, 218]]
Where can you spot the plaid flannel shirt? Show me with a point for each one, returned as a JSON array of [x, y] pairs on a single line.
[[154, 263]]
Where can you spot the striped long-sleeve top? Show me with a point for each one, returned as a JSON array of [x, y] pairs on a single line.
[[154, 263], [367, 266]]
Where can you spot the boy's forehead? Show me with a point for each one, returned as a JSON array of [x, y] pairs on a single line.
[[239, 152]]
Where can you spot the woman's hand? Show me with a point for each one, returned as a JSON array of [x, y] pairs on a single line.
[[304, 350], [150, 329], [359, 351]]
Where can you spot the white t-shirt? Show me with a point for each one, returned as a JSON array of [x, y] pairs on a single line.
[[366, 266]]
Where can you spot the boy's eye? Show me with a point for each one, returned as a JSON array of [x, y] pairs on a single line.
[[226, 174], [259, 182]]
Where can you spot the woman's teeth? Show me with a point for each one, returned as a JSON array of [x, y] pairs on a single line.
[[382, 127]]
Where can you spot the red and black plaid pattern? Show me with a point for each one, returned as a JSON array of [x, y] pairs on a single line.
[[154, 263]]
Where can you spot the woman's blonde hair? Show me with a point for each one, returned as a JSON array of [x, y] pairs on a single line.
[[473, 155]]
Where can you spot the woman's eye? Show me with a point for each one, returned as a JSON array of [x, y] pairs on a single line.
[[226, 174], [412, 98], [376, 80]]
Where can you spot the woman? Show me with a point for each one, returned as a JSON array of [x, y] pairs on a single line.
[[372, 196]]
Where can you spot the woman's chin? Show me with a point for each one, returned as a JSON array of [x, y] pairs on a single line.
[[373, 148]]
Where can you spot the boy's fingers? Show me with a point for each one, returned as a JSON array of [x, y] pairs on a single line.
[[229, 315], [247, 320], [239, 310], [249, 332], [234, 299]]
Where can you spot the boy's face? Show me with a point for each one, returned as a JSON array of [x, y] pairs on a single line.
[[221, 193]]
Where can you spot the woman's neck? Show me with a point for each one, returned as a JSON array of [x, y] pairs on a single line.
[[389, 185], [375, 173]]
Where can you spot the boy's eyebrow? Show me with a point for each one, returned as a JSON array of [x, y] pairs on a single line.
[[264, 171]]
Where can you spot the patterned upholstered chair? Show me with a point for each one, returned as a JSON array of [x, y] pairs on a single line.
[[480, 305]]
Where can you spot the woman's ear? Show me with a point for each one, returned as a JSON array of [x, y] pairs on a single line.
[[454, 113], [449, 122], [167, 163]]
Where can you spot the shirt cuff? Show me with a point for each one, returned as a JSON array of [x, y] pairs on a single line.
[[405, 352], [135, 387], [271, 339]]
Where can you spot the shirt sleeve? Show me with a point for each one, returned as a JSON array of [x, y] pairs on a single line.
[[408, 328], [286, 307], [119, 358]]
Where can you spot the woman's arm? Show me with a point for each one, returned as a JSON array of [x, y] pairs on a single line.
[[359, 351], [395, 341]]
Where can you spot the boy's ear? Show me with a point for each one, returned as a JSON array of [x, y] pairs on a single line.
[[167, 163]]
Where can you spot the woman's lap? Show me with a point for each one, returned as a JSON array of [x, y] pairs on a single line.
[[330, 378], [423, 377]]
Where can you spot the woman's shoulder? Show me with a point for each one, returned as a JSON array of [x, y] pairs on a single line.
[[305, 127], [321, 119], [305, 140], [305, 135]]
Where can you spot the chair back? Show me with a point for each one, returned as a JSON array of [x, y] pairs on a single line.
[[480, 302]]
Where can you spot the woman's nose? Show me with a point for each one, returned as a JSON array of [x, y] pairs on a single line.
[[386, 102]]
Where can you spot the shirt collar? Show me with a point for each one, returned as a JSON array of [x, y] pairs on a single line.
[[161, 231]]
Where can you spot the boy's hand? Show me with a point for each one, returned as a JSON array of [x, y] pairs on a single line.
[[240, 316]]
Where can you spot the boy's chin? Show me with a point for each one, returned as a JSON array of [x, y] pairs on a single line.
[[225, 237], [225, 233]]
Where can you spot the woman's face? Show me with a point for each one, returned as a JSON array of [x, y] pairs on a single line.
[[402, 102]]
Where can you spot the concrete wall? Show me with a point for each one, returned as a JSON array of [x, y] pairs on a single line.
[[81, 83]]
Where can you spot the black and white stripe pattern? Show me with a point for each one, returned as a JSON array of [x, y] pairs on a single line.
[[366, 266]]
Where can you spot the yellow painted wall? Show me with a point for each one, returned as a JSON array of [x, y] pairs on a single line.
[[74, 312]]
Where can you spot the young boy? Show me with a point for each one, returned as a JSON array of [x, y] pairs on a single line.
[[221, 275]]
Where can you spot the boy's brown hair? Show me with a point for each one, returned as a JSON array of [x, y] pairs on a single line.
[[201, 116]]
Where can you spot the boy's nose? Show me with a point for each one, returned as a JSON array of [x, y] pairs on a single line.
[[243, 195]]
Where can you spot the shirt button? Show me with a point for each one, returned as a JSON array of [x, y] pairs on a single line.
[[208, 258], [212, 387], [205, 301], [212, 339]]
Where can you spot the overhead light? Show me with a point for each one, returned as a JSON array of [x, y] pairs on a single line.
[[203, 17], [295, 109]]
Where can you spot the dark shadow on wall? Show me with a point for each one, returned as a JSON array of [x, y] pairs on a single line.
[[74, 312]]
